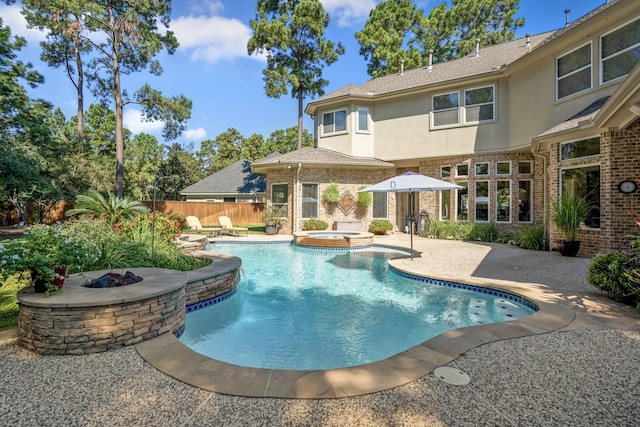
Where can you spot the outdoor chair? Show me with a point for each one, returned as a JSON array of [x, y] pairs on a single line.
[[228, 226], [194, 224]]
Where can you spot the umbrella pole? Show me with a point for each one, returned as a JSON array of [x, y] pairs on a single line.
[[411, 222]]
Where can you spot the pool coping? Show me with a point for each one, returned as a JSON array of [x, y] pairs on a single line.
[[167, 354]]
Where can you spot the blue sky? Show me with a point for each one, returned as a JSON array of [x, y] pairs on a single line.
[[213, 69]]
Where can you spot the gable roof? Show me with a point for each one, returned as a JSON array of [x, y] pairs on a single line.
[[236, 178], [318, 157]]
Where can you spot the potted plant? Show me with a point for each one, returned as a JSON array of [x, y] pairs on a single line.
[[272, 217], [331, 194], [568, 213]]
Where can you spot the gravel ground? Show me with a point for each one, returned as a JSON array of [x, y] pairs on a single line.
[[571, 378]]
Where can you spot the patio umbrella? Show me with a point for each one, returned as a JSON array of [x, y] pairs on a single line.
[[410, 182]]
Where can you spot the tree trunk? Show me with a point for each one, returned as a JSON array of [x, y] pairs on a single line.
[[117, 95], [300, 99], [80, 89]]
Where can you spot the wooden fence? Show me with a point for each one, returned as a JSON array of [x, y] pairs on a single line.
[[208, 212]]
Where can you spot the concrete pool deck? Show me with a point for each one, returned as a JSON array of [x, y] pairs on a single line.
[[582, 373]]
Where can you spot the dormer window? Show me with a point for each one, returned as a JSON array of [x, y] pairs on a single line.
[[573, 72]]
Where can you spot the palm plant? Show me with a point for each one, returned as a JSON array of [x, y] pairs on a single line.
[[112, 208]]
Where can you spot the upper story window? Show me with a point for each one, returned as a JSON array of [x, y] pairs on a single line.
[[445, 109], [363, 119], [334, 121], [620, 51], [478, 105], [582, 148], [573, 72]]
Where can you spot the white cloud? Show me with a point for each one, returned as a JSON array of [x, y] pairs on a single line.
[[11, 17], [133, 121], [349, 12], [194, 134], [213, 38]]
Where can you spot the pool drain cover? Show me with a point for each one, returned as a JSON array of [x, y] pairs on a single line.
[[451, 375]]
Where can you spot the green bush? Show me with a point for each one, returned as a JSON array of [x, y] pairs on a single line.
[[315, 224], [380, 226], [485, 232], [331, 194], [364, 198], [607, 272], [531, 237]]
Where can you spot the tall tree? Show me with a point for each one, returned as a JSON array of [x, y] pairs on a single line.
[[176, 172], [291, 33], [397, 31], [285, 140], [65, 44], [383, 41], [144, 154]]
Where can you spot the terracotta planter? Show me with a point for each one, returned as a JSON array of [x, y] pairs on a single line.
[[568, 248]]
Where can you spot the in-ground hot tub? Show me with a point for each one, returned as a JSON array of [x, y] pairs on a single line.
[[333, 239]]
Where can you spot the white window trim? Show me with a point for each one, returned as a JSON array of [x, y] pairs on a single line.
[[433, 110], [561, 160], [475, 203], [510, 202], [440, 217], [475, 172], [530, 167], [340, 132], [386, 201], [532, 184], [445, 166], [455, 204], [288, 193], [601, 59], [493, 104], [575, 71], [463, 164], [581, 166], [317, 197], [503, 174], [357, 120]]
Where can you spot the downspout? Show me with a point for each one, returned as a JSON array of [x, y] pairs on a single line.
[[544, 191], [297, 203]]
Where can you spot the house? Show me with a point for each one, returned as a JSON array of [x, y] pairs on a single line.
[[235, 183], [515, 124]]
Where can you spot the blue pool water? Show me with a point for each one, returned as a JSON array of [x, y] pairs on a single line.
[[303, 308]]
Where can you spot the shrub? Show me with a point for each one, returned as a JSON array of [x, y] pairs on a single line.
[[531, 237], [364, 198], [484, 232], [315, 224], [607, 272], [331, 194], [380, 226]]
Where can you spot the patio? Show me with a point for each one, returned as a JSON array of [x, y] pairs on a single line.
[[583, 374]]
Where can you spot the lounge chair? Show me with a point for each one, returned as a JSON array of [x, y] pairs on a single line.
[[228, 226], [194, 224]]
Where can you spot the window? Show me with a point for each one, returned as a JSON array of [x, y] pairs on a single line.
[[445, 109], [309, 200], [503, 201], [380, 205], [582, 148], [478, 104], [573, 72], [335, 121], [482, 201], [228, 199], [525, 197], [363, 119], [482, 169], [279, 195], [503, 168], [463, 170], [445, 205], [524, 167], [463, 202], [620, 51], [585, 182], [445, 172]]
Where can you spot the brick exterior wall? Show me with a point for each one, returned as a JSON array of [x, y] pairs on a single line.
[[619, 160]]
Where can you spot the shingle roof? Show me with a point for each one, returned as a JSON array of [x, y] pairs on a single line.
[[321, 156], [573, 122], [490, 59], [236, 178]]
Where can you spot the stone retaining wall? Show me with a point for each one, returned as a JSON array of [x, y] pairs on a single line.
[[84, 320]]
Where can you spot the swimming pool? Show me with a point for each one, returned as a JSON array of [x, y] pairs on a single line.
[[303, 308]]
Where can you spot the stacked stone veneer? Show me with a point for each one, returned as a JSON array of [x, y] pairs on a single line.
[[51, 326]]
